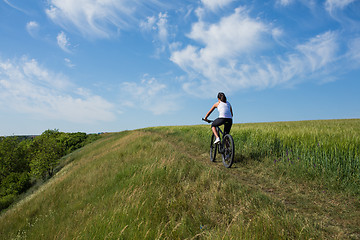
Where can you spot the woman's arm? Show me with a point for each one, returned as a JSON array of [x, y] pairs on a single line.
[[211, 110]]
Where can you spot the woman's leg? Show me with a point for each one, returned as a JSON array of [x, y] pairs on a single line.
[[215, 132], [227, 126], [217, 122]]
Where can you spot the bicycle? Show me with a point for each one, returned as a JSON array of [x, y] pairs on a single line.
[[225, 147]]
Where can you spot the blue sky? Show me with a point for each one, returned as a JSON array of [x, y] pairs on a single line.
[[106, 65]]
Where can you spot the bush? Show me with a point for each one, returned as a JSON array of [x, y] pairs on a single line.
[[6, 201]]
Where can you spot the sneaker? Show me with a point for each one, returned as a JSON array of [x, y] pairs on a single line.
[[217, 141]]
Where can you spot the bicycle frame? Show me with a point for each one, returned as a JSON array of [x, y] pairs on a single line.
[[221, 136]]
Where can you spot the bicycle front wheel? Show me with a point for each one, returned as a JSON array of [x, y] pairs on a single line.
[[229, 151], [213, 148]]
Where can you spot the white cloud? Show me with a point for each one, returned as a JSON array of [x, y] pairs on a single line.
[[231, 55], [150, 95], [233, 37], [27, 87], [63, 42], [237, 30], [215, 4], [33, 28]]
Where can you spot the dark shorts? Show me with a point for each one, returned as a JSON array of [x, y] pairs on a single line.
[[227, 122]]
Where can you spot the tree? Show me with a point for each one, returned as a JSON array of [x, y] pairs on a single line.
[[72, 141], [14, 168], [46, 151]]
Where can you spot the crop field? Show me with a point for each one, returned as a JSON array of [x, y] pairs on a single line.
[[327, 149]]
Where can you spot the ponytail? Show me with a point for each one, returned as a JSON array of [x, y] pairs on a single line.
[[222, 97]]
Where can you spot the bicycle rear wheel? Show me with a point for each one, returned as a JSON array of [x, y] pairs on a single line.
[[213, 148], [229, 151]]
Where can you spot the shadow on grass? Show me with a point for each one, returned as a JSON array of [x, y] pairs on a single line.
[[248, 158]]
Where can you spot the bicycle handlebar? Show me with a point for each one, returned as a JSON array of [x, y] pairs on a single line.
[[208, 121]]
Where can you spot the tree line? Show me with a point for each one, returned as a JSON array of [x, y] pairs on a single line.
[[23, 161]]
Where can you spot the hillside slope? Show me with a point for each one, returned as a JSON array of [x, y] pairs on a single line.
[[158, 183]]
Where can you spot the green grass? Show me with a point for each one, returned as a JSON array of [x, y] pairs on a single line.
[[158, 183]]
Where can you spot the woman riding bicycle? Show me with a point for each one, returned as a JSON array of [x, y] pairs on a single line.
[[225, 115]]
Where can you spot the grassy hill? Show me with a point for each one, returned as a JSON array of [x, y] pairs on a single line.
[[158, 183]]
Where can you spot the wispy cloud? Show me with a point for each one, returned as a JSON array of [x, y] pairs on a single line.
[[149, 24], [63, 42], [96, 19], [158, 26], [69, 63], [33, 28], [215, 4], [333, 5], [336, 9], [354, 51], [150, 95], [162, 27], [284, 2], [320, 50], [28, 87], [308, 3], [8, 2]]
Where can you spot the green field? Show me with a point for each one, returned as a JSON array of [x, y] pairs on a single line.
[[291, 180]]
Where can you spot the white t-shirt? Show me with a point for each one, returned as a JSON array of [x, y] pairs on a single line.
[[224, 110]]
